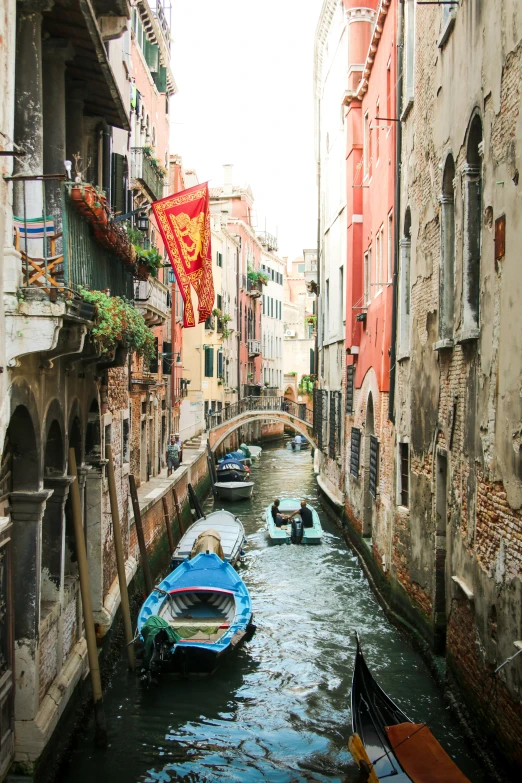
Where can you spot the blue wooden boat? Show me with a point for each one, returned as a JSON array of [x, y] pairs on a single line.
[[238, 455], [290, 533], [231, 469], [197, 615]]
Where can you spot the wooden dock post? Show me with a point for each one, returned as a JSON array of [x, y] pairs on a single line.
[[88, 617], [120, 559], [178, 511], [167, 524], [139, 532]]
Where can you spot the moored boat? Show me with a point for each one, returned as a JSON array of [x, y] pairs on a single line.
[[232, 470], [238, 455], [198, 615], [234, 490], [228, 526], [293, 531], [297, 445], [254, 452], [386, 742]]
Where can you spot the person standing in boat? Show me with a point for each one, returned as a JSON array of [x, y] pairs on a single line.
[[305, 514], [278, 518]]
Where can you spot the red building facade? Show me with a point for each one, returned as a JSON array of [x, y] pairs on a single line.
[[371, 129]]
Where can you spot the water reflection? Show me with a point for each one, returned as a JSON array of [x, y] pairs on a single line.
[[279, 709]]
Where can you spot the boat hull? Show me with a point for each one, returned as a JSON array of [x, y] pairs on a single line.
[[234, 490], [283, 534], [293, 446], [225, 476]]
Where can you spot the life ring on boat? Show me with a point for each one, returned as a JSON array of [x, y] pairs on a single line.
[[296, 536]]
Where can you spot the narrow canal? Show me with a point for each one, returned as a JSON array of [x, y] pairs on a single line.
[[279, 710]]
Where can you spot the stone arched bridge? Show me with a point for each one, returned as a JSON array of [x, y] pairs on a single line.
[[222, 423]]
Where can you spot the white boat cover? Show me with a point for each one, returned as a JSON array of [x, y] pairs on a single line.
[[223, 522]]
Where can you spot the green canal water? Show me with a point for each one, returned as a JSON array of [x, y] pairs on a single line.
[[279, 710]]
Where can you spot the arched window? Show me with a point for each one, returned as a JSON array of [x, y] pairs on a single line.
[[472, 186], [447, 245], [404, 287]]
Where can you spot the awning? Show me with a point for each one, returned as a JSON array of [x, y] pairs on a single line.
[[76, 22], [421, 756]]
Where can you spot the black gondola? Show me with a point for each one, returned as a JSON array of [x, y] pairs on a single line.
[[398, 749]]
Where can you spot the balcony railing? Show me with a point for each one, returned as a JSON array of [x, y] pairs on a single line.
[[60, 262], [143, 170], [254, 348], [152, 300], [311, 270], [261, 404]]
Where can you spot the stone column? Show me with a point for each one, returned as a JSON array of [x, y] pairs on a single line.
[[55, 52], [74, 121], [94, 534], [27, 509], [28, 126]]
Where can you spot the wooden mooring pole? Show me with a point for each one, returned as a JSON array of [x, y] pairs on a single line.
[[88, 617], [120, 559], [167, 524], [178, 511], [139, 532]]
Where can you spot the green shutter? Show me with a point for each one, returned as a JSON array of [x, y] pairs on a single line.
[[160, 79], [312, 361], [209, 362], [220, 364], [151, 52]]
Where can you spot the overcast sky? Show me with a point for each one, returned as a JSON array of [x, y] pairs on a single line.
[[244, 74]]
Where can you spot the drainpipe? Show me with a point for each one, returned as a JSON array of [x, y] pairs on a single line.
[[317, 324], [239, 326], [397, 210]]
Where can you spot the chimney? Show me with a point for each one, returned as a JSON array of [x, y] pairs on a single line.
[[227, 179]]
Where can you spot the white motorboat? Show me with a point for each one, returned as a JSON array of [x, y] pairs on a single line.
[[234, 490], [229, 527]]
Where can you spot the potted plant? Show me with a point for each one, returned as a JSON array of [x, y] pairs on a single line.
[[253, 278], [262, 278]]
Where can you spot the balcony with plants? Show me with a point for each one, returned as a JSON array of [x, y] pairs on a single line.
[[148, 171]]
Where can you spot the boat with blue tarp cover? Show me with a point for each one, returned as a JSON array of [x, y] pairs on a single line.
[[198, 615], [293, 531], [232, 469]]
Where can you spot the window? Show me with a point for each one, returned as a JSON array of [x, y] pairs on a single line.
[[263, 304], [219, 301], [209, 362], [404, 474], [167, 358], [219, 260], [409, 50], [389, 108], [378, 275], [447, 245], [390, 248], [366, 145], [220, 364], [350, 378], [374, 466], [377, 135], [153, 363], [342, 315], [301, 268], [367, 276], [125, 451], [472, 230]]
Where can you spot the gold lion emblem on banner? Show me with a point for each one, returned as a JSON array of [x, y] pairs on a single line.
[[191, 231]]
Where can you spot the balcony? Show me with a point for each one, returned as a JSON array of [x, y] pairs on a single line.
[[268, 240], [145, 173], [152, 300], [253, 289], [311, 269], [254, 348]]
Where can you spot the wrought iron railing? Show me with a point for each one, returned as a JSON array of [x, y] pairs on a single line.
[[247, 404], [143, 169]]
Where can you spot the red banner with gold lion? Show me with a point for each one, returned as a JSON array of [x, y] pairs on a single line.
[[184, 223]]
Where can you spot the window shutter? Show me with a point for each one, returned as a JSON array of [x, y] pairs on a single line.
[[374, 466], [151, 52], [160, 79], [209, 362], [355, 452], [220, 364], [167, 360], [118, 191], [219, 301], [312, 361], [350, 375]]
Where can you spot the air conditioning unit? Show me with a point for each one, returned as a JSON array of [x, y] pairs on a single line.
[[290, 333]]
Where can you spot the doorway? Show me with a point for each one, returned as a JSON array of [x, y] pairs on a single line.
[[369, 432], [441, 519]]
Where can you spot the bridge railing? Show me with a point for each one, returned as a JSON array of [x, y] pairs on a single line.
[[269, 404]]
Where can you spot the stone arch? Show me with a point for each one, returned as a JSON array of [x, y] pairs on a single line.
[[53, 439], [447, 245], [268, 416], [21, 451], [290, 393]]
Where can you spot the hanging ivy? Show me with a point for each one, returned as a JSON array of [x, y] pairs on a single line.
[[117, 321]]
